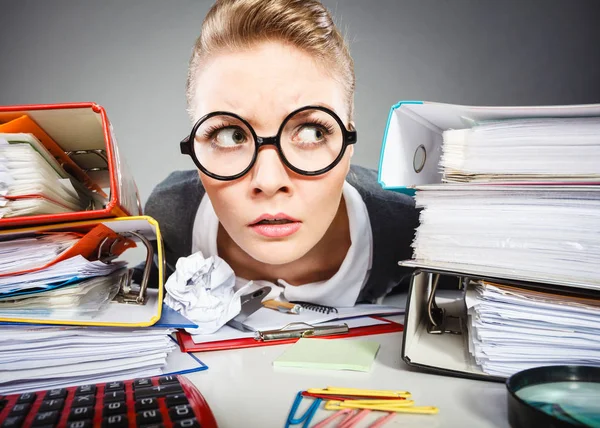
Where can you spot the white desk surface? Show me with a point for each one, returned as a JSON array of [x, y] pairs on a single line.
[[243, 389]]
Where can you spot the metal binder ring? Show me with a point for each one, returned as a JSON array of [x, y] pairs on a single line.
[[419, 158]]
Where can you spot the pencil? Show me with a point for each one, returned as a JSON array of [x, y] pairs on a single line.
[[290, 308]]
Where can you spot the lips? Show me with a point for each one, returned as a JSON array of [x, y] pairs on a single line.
[[280, 218], [275, 225]]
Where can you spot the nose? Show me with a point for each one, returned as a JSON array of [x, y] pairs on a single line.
[[269, 176]]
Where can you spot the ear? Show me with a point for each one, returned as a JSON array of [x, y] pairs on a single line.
[[350, 150]]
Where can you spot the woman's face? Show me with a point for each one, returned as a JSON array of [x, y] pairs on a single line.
[[272, 213]]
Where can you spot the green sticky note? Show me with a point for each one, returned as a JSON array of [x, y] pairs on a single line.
[[329, 354]]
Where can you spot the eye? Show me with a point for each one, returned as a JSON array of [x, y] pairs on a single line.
[[230, 137], [310, 134]]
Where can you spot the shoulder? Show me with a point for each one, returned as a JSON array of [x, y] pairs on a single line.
[[174, 203], [365, 181], [173, 189], [178, 181], [394, 218]]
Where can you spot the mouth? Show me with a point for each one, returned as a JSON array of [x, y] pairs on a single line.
[[275, 226], [273, 219]]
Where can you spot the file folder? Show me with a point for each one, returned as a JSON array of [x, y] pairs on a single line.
[[412, 139], [81, 138], [187, 344], [435, 338], [132, 306]]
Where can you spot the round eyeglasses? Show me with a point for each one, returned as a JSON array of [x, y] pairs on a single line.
[[311, 141]]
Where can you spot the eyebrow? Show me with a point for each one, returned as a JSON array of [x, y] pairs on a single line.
[[253, 119]]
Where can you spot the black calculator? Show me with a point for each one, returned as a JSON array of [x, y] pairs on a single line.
[[162, 401]]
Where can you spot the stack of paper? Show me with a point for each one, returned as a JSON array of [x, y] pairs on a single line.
[[67, 275], [512, 329], [44, 357], [544, 149], [33, 182], [59, 275], [532, 233], [521, 200]]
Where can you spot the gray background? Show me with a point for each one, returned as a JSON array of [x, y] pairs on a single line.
[[131, 57]]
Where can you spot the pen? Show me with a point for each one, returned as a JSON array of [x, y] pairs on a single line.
[[301, 332], [291, 308]]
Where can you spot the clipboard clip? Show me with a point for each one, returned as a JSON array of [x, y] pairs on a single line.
[[439, 317], [127, 293], [289, 332]]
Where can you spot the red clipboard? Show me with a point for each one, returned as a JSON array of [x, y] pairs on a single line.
[[81, 138], [186, 343]]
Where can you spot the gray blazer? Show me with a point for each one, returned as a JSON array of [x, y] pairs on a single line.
[[175, 201]]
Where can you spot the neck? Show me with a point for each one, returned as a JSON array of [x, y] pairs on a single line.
[[319, 264]]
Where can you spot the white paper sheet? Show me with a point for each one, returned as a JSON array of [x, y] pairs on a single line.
[[59, 366], [511, 330], [269, 319], [227, 333]]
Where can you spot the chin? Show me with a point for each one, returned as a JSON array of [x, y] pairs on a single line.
[[276, 253]]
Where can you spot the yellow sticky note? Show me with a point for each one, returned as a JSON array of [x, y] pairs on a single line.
[[336, 354]]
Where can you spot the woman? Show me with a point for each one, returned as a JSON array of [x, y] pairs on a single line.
[[270, 91]]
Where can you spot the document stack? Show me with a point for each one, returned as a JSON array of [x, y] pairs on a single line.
[[69, 311], [515, 216]]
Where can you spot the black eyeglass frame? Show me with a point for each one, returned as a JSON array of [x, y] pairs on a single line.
[[187, 148]]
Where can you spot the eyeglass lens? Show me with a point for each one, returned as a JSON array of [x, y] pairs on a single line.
[[310, 140]]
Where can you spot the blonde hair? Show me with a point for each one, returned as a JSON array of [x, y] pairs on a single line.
[[305, 24]]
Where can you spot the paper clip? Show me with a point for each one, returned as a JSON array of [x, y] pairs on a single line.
[[306, 417], [391, 407], [382, 421], [332, 390], [345, 397], [354, 419], [349, 413]]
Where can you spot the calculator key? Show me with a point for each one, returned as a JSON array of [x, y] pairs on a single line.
[[85, 390], [149, 417], [182, 411], [114, 396], [56, 393], [3, 404], [142, 383], [28, 397], [81, 413], [114, 386], [13, 422], [115, 408], [80, 424], [158, 391], [146, 404], [45, 418], [115, 421], [48, 405], [175, 399], [20, 409], [83, 400], [186, 423], [167, 379]]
